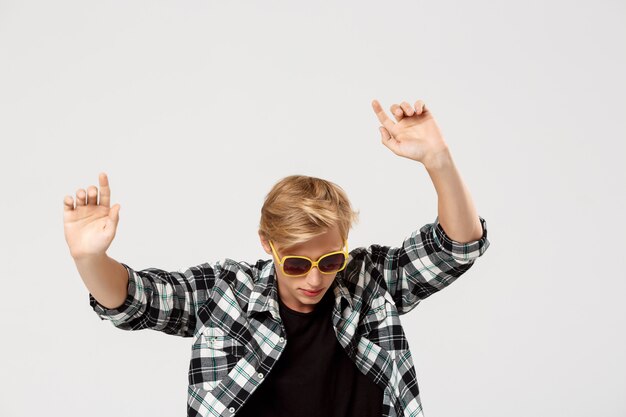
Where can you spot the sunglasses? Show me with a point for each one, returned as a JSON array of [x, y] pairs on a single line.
[[295, 266]]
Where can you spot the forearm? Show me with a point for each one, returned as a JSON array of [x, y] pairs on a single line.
[[105, 278], [456, 210]]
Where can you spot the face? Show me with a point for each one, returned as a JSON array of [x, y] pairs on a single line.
[[291, 290]]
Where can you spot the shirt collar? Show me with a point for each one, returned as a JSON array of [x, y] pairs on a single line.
[[264, 296]]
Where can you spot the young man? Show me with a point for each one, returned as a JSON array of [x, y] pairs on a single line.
[[315, 331]]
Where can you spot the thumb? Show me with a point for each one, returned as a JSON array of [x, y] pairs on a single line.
[[114, 215], [388, 140]]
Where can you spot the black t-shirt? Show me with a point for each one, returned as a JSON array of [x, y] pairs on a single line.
[[314, 376]]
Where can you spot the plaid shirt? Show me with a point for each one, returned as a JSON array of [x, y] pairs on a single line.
[[231, 310]]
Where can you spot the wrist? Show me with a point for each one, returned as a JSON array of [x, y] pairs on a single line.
[[86, 258], [437, 160]]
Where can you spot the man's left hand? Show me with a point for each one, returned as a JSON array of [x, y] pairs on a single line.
[[415, 135]]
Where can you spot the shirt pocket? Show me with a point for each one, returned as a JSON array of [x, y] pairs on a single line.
[[374, 324], [214, 355], [215, 339], [375, 314], [220, 343]]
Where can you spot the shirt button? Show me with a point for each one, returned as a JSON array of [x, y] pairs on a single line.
[[231, 409], [282, 339], [260, 375]]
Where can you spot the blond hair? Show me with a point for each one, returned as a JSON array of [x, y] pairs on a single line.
[[299, 208]]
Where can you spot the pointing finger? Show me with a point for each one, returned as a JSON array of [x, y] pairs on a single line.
[[105, 191], [382, 116]]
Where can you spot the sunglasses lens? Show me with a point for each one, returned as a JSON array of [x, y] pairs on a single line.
[[296, 266], [332, 263]]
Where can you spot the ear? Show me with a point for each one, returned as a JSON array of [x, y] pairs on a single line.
[[266, 244]]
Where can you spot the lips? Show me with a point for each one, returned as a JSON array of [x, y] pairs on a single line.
[[311, 293]]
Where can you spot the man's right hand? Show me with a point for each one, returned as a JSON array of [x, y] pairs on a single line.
[[90, 225]]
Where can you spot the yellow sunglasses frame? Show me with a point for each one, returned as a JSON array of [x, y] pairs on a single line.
[[313, 263]]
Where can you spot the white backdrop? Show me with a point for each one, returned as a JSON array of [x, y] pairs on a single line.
[[196, 108]]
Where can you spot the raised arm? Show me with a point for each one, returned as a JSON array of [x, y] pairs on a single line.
[[90, 225], [434, 256], [151, 298], [160, 300], [427, 261]]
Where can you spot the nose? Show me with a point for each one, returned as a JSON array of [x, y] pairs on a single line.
[[315, 278]]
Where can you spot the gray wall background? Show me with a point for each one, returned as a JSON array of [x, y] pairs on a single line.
[[196, 108]]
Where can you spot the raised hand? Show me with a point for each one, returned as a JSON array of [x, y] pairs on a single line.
[[90, 224], [415, 135]]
